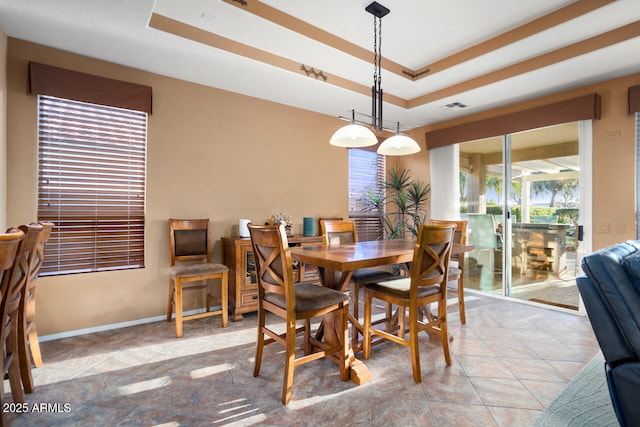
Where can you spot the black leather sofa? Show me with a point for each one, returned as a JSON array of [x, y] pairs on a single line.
[[611, 295]]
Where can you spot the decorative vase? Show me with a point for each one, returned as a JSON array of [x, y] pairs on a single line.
[[243, 229], [309, 227]]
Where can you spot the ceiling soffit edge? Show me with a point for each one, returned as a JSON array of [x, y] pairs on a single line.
[[296, 25], [186, 31]]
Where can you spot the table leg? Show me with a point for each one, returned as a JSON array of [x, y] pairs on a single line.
[[358, 371], [329, 330], [426, 311]]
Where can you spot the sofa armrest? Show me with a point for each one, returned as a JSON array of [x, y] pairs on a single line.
[[624, 383], [613, 345]]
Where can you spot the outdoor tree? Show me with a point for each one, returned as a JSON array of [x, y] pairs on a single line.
[[565, 186]]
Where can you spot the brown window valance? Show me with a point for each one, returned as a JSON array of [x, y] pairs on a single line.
[[68, 84], [582, 108], [634, 99]]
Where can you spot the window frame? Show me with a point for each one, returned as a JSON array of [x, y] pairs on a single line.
[[92, 185]]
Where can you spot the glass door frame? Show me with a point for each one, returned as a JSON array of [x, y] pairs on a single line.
[[506, 215], [444, 171]]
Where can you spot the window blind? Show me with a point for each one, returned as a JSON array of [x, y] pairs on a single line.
[[91, 184], [366, 171]]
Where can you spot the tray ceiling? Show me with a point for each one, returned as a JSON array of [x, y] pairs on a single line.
[[441, 60]]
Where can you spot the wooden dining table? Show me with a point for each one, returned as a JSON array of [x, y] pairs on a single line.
[[336, 265]]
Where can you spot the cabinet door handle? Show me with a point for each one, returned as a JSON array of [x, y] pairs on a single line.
[[254, 297]]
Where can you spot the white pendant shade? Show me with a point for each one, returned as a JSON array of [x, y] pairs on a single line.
[[353, 136], [398, 145]]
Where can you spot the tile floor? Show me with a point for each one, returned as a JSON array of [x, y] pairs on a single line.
[[508, 363]]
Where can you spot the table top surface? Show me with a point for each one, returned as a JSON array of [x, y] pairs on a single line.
[[349, 257]]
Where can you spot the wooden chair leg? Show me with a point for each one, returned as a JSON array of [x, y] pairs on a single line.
[[170, 300], [355, 300], [306, 343], [209, 297], [366, 332], [15, 379], [34, 345], [28, 345], [224, 298], [178, 306], [413, 343], [388, 312], [402, 327], [463, 317], [444, 333], [260, 343], [25, 364], [289, 364]]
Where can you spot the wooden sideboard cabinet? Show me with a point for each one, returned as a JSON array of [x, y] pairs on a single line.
[[243, 287]]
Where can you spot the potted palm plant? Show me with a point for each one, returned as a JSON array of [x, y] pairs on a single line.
[[400, 205]]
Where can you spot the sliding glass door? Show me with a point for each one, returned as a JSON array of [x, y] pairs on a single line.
[[544, 175], [525, 232], [481, 203]]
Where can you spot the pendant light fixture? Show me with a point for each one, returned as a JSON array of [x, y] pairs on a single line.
[[355, 134], [398, 145]]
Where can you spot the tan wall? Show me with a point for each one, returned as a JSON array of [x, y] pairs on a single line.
[[614, 140], [211, 154], [206, 157]]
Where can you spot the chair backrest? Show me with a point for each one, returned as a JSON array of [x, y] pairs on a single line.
[[545, 219], [27, 250], [483, 231], [273, 262], [9, 244], [459, 235], [189, 240], [36, 254], [342, 230], [14, 283], [431, 256]]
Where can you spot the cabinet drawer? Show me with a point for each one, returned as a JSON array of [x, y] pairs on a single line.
[[249, 298], [251, 288]]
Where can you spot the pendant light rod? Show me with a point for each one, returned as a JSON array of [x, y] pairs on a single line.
[[378, 11], [356, 134]]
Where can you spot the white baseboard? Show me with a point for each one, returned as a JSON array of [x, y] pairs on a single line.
[[102, 328]]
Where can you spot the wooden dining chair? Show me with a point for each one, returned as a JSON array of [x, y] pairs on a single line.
[[190, 261], [13, 265], [427, 284], [343, 232], [456, 272], [28, 345], [278, 294]]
